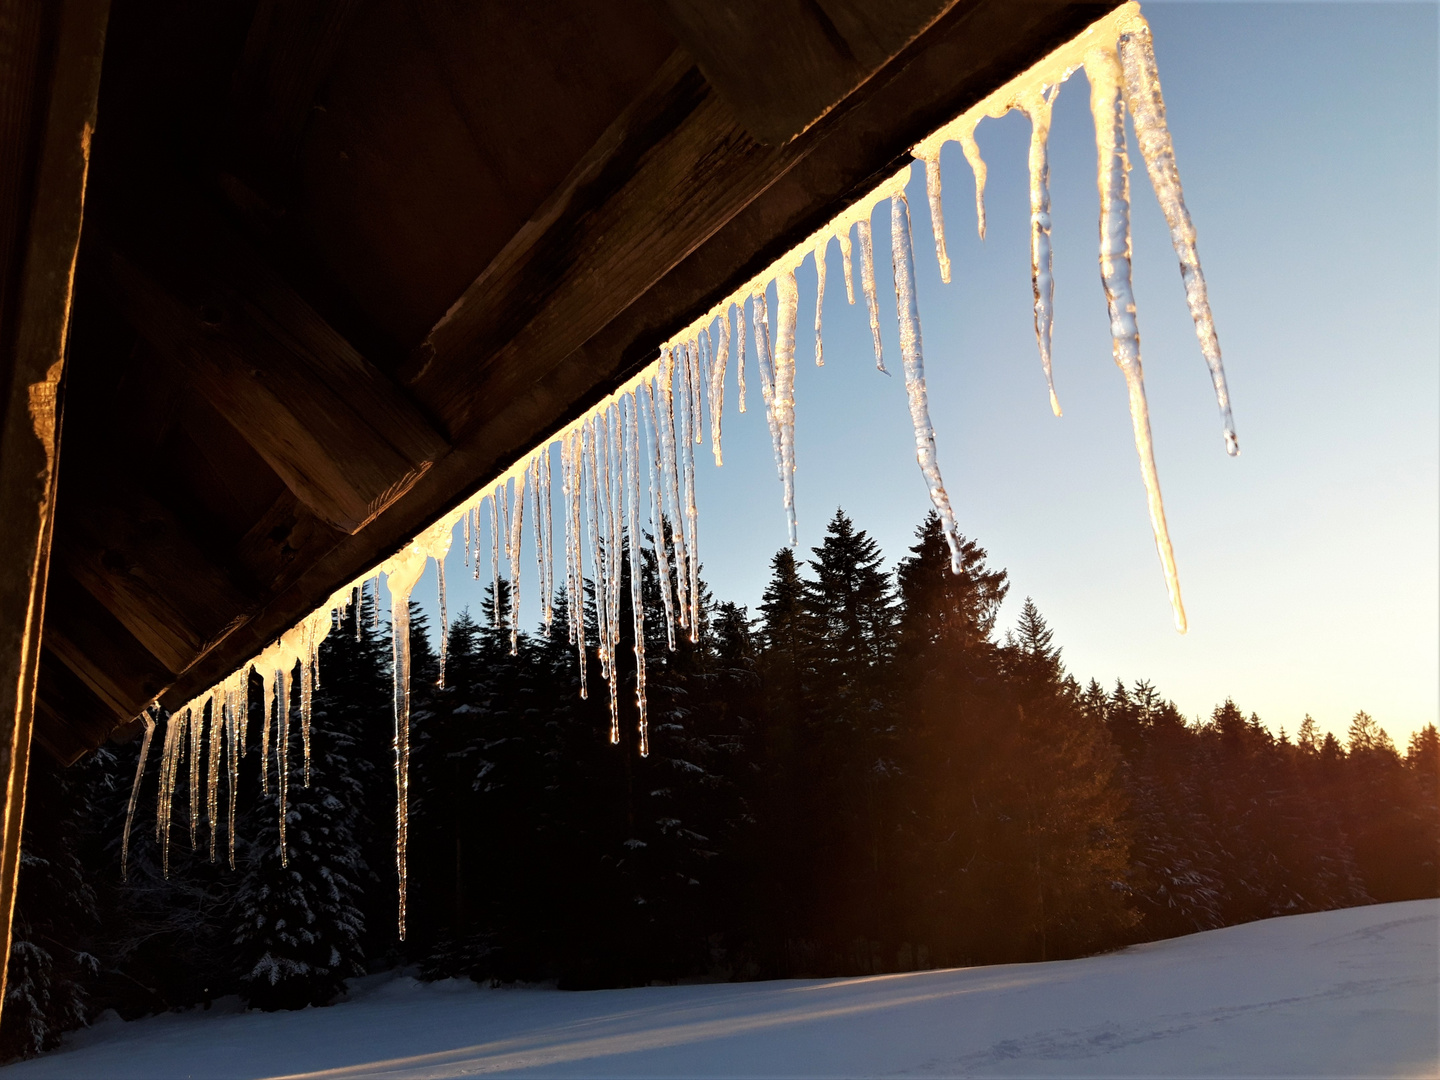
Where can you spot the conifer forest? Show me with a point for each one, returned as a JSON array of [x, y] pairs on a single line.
[[861, 776]]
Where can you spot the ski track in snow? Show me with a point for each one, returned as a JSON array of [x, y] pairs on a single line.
[[1339, 993]]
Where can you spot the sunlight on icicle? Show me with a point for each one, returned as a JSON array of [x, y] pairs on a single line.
[[600, 452]]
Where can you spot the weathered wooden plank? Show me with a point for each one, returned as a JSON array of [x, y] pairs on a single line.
[[49, 81], [135, 558], [70, 718], [97, 647], [783, 64], [340, 434]]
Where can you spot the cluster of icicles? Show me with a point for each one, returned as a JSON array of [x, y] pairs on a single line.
[[640, 441]]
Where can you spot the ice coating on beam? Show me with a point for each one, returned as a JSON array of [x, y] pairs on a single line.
[[1107, 103], [1147, 109]]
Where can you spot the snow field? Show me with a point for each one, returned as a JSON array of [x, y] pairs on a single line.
[[1339, 993]]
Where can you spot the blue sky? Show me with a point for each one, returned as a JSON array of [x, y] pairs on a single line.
[[1306, 138]]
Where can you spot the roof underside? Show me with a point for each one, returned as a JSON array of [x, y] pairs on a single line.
[[344, 261]]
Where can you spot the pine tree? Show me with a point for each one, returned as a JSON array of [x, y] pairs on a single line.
[[56, 914], [298, 920]]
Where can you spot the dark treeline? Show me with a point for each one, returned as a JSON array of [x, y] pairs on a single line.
[[859, 778]]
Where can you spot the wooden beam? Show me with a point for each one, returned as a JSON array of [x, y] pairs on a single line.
[[133, 556], [600, 276], [341, 435], [83, 635], [783, 64], [49, 82]]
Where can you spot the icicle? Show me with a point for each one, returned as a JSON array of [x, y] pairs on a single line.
[[1038, 105], [516, 522], [597, 563], [473, 517], [670, 481], [783, 402], [637, 604], [741, 333], [912, 352], [496, 498], [174, 750], [400, 656], [237, 693], [466, 552], [977, 165], [444, 635], [375, 616], [694, 382], [309, 679], [282, 754], [611, 471], [537, 517], [718, 363], [1147, 108], [196, 721], [149, 722], [214, 746], [937, 212], [566, 485], [820, 250], [1107, 102], [690, 421], [766, 364], [547, 565], [577, 602], [867, 279], [845, 263], [657, 520]]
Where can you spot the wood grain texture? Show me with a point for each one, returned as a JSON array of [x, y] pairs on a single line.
[[783, 64], [338, 431]]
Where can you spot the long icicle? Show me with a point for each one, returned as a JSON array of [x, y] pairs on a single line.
[[173, 751], [309, 674], [400, 659], [765, 362], [197, 737], [1147, 108], [597, 563], [516, 522], [657, 520], [496, 498], [692, 518], [577, 601], [741, 332], [1107, 103], [282, 756], [149, 721], [444, 638], [637, 603], [912, 351], [613, 471], [214, 748], [787, 301], [718, 362], [537, 519], [1038, 106], [867, 280], [937, 212], [546, 505], [820, 250], [670, 483]]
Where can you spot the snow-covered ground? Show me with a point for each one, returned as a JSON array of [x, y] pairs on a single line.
[[1340, 993]]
